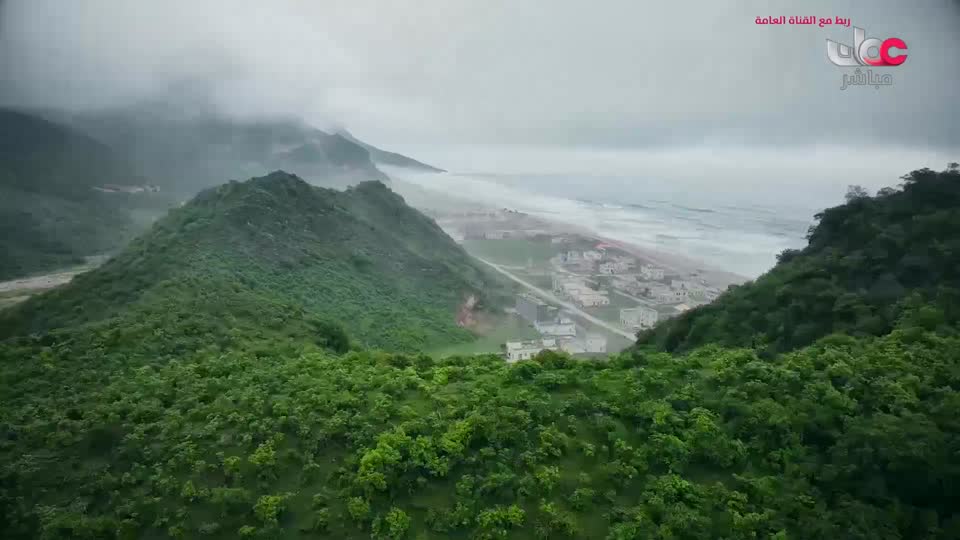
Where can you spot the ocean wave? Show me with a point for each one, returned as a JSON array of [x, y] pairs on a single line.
[[739, 238], [692, 209]]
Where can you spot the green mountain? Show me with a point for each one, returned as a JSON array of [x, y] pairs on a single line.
[[360, 257], [191, 388], [383, 157], [866, 262], [54, 210], [51, 215]]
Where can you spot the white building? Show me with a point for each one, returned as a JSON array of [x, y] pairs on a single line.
[[592, 255], [614, 267], [638, 317], [525, 350], [691, 289], [596, 343], [648, 271], [574, 288], [563, 283], [591, 298], [662, 294], [560, 327], [572, 256]]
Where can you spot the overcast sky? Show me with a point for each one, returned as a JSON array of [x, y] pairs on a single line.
[[599, 74]]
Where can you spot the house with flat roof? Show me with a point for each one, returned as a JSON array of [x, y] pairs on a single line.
[[525, 350], [596, 343], [613, 267], [560, 327], [638, 317], [649, 271], [533, 309], [591, 298]]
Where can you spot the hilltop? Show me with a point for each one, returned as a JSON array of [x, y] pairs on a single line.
[[360, 257], [867, 263]]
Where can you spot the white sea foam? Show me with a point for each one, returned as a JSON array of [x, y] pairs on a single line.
[[737, 239]]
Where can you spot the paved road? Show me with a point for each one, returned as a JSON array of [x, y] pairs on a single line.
[[546, 295]]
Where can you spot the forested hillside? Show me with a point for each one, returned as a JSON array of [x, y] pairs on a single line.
[[866, 261], [50, 215], [104, 437], [200, 385], [360, 257]]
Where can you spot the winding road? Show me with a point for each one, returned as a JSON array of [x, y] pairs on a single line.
[[546, 295]]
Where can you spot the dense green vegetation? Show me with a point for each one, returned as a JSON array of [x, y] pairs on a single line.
[[196, 387], [50, 216], [360, 257], [864, 262], [103, 437]]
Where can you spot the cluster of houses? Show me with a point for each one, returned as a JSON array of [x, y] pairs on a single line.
[[559, 332], [658, 292], [658, 295], [595, 261], [661, 301], [577, 277], [576, 289]]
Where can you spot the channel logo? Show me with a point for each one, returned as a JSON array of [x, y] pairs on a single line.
[[844, 55]]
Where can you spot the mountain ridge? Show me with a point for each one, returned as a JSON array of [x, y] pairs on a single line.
[[385, 157], [359, 257]]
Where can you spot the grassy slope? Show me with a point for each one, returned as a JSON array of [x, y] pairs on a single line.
[[514, 251]]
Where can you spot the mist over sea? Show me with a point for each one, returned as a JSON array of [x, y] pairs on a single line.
[[732, 207], [743, 237]]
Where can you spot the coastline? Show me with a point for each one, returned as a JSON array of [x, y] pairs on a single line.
[[672, 262], [439, 205]]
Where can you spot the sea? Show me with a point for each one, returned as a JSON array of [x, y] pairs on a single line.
[[729, 207], [736, 236]]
